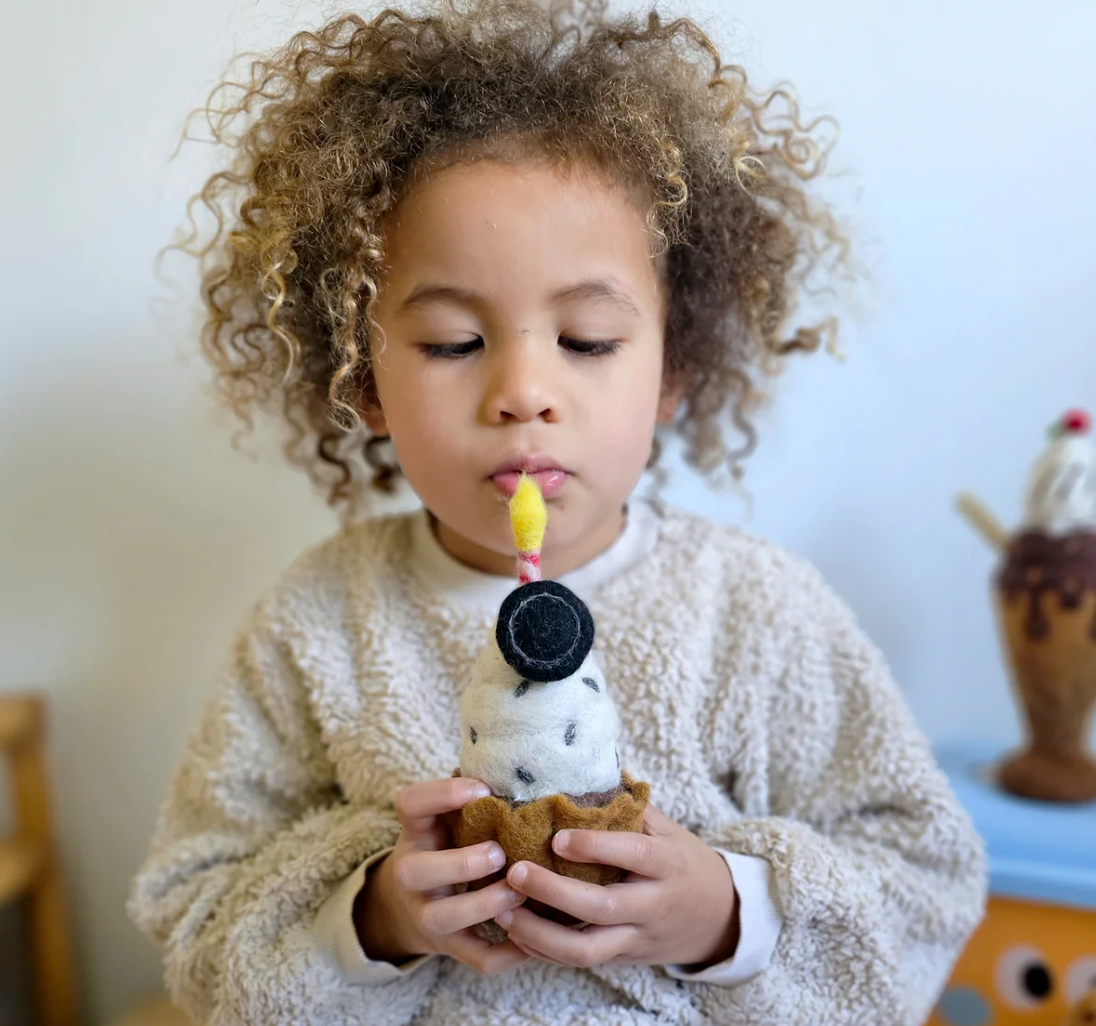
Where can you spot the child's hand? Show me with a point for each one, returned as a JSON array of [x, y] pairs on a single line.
[[677, 905], [410, 905]]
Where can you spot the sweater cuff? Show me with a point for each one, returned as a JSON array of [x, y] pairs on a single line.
[[336, 938], [759, 924]]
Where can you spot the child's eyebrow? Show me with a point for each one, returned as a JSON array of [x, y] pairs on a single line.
[[606, 289]]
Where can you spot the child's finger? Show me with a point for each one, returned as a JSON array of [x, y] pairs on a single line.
[[461, 911], [638, 853], [533, 953], [581, 948], [656, 822], [489, 959], [587, 902], [426, 870], [419, 805]]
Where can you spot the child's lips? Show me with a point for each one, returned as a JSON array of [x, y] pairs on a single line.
[[550, 482]]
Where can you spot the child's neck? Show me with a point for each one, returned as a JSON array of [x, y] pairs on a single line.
[[554, 562]]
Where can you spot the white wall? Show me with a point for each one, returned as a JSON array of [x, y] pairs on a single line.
[[132, 539]]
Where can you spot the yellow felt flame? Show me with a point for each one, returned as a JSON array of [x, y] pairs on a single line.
[[528, 515]]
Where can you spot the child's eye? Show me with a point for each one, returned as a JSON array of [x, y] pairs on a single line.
[[450, 350], [584, 347], [457, 350]]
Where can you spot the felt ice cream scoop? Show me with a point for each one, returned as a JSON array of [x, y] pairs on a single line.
[[537, 717], [1061, 495], [538, 722]]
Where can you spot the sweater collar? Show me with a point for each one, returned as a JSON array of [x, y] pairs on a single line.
[[476, 590]]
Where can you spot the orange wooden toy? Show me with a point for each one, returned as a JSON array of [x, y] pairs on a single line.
[[1032, 962]]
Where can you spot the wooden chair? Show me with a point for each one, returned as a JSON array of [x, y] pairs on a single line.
[[29, 866]]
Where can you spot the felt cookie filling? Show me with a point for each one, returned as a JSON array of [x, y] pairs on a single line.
[[589, 800]]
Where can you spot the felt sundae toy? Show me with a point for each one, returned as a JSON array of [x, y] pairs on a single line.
[[539, 726], [1045, 593]]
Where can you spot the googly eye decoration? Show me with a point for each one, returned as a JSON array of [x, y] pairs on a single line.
[[1023, 978]]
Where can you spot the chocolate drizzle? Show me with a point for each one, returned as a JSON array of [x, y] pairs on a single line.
[[1037, 564]]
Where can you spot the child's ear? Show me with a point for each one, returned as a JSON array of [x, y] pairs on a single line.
[[374, 419], [668, 402]]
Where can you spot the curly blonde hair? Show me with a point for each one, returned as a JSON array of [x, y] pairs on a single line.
[[338, 124]]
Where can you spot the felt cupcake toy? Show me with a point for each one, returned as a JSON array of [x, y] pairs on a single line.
[[539, 726]]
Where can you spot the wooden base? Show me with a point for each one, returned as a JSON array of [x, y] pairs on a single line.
[[1053, 779]]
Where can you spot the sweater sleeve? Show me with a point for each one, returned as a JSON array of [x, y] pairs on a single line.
[[252, 840], [336, 935], [879, 875], [759, 925]]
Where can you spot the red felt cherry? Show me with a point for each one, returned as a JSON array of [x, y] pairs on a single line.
[[1076, 422]]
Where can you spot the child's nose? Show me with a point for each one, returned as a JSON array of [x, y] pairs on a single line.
[[519, 386]]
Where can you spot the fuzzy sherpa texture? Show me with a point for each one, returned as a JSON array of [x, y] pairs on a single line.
[[755, 707]]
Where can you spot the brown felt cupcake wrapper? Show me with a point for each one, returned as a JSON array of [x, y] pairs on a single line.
[[526, 832]]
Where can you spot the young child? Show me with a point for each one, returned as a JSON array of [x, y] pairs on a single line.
[[499, 238]]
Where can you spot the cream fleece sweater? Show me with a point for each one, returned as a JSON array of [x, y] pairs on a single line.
[[762, 717]]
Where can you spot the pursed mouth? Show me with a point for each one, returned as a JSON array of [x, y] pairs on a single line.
[[551, 482], [529, 464]]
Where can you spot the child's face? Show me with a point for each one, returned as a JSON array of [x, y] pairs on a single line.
[[522, 316]]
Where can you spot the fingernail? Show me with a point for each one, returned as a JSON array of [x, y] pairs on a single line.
[[561, 839], [481, 791], [505, 920], [518, 873], [496, 855]]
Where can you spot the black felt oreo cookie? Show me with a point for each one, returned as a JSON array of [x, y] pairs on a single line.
[[544, 631]]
